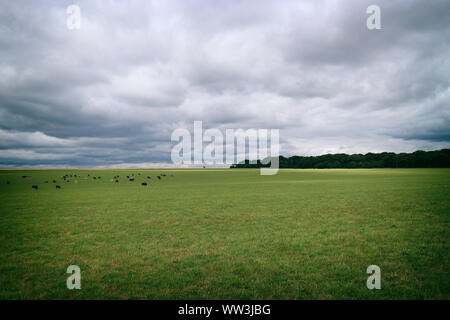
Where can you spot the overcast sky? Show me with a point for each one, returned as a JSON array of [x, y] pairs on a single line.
[[112, 92]]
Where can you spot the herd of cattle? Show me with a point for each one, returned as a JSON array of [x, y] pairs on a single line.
[[67, 177]]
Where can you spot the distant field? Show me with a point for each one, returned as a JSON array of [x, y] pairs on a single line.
[[226, 234]]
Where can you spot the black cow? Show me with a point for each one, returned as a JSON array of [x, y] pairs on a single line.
[[7, 182], [95, 178], [131, 179], [159, 178], [117, 181], [144, 184], [54, 181], [34, 187], [58, 187], [148, 177]]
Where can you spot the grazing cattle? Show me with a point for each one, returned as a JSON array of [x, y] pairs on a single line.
[[144, 183], [159, 178], [7, 182], [34, 187], [54, 181], [117, 181], [131, 179], [95, 178], [148, 177], [58, 187]]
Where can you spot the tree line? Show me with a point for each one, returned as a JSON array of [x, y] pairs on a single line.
[[418, 159]]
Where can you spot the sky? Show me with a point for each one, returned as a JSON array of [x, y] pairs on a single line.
[[110, 93]]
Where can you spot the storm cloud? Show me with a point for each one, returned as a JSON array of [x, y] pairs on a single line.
[[112, 92]]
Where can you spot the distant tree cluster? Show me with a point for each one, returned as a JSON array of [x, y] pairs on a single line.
[[418, 159]]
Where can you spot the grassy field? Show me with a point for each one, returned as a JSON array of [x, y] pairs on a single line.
[[226, 234]]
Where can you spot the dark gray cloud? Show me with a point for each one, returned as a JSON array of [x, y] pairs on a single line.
[[111, 93]]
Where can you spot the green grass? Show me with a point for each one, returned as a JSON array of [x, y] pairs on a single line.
[[226, 234]]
